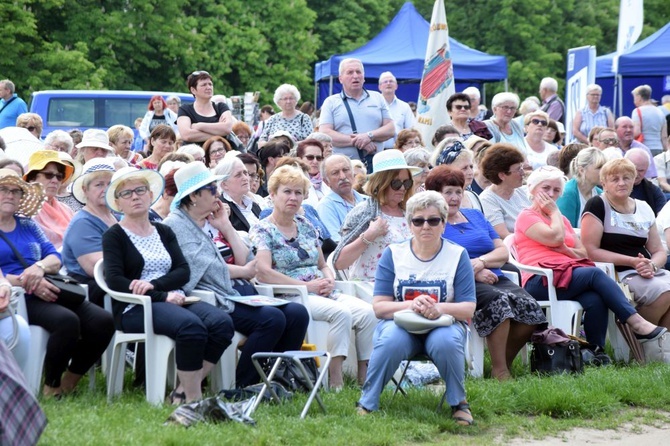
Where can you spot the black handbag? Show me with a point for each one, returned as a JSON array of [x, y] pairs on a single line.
[[290, 377], [550, 359], [71, 293]]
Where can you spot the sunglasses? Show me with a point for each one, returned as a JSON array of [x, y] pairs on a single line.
[[397, 184], [31, 128], [211, 188], [610, 141], [314, 157], [460, 107], [139, 191], [302, 253], [540, 122], [432, 221], [51, 175]]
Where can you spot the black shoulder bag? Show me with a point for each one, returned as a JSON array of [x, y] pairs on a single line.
[[361, 153], [71, 294]]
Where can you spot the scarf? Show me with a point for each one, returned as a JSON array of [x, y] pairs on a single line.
[[357, 221], [53, 218], [316, 181]]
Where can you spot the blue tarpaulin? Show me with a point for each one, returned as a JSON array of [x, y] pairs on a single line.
[[401, 49]]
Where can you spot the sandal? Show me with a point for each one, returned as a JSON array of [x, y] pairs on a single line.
[[177, 399], [460, 419]]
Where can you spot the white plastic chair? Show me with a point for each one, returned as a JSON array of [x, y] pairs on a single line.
[[563, 314], [362, 290]]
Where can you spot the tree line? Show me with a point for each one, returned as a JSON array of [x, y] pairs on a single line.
[[255, 45]]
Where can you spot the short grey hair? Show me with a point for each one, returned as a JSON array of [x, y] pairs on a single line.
[[387, 74], [549, 83], [528, 106], [349, 60], [635, 153], [643, 91], [333, 157], [473, 91], [424, 200], [59, 136], [173, 98], [192, 149], [321, 137], [9, 85], [416, 156], [226, 166], [542, 174], [284, 89], [505, 96], [593, 87]]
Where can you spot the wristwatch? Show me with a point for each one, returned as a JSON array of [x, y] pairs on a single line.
[[370, 136], [40, 264]]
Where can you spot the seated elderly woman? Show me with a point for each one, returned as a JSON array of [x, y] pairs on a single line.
[[504, 199], [452, 152], [46, 168], [408, 139], [325, 140], [583, 185], [215, 149], [536, 149], [502, 125], [244, 212], [289, 253], [432, 277], [545, 238], [20, 351], [121, 139], [623, 231], [82, 243], [506, 314], [60, 141], [32, 122], [379, 221], [193, 150], [418, 157], [311, 152], [144, 258], [219, 262], [256, 174], [78, 334]]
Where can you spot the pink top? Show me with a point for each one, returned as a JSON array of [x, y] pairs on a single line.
[[530, 252]]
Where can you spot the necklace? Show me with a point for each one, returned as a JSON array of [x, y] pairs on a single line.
[[458, 220], [293, 229]]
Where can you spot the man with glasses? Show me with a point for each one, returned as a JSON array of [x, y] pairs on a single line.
[[625, 132], [358, 120], [11, 106], [402, 114]]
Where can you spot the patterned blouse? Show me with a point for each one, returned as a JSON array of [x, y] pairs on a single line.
[[300, 126]]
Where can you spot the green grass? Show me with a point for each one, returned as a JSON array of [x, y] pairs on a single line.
[[528, 406]]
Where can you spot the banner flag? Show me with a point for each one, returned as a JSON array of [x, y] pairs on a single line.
[[631, 15], [437, 80]]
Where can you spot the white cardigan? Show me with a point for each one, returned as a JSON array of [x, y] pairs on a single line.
[[170, 119]]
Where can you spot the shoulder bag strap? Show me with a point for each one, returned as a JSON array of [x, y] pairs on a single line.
[[7, 103], [16, 251], [351, 115], [639, 115]]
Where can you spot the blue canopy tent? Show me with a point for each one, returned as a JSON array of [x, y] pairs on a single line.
[[646, 62], [401, 49]]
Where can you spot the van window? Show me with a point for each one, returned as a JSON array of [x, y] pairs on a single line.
[[71, 112], [123, 111]]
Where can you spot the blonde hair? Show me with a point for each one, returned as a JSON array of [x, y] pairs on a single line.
[[380, 182], [616, 167], [288, 175]]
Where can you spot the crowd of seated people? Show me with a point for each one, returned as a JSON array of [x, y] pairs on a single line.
[[210, 217]]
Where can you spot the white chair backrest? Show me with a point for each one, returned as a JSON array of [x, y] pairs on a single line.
[[511, 246]]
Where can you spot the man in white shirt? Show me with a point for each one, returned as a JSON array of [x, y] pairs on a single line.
[[402, 115]]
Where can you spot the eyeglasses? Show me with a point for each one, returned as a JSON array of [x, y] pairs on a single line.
[[288, 99], [432, 221], [540, 122], [397, 184], [51, 175], [18, 193], [519, 170], [610, 141], [460, 107], [509, 108], [139, 191], [216, 152], [302, 253], [314, 157], [210, 187], [198, 73]]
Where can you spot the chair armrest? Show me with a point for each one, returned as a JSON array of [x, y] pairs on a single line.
[[512, 276], [205, 295]]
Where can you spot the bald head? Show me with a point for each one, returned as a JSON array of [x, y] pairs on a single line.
[[625, 130], [640, 158]]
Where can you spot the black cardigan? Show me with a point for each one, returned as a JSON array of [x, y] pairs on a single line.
[[124, 263], [237, 218]]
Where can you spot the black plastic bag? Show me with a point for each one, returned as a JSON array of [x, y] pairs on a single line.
[[289, 376], [254, 390]]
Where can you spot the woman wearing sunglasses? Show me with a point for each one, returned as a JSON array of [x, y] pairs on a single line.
[[430, 276], [506, 314], [458, 107], [46, 168], [144, 258], [199, 121], [537, 149], [379, 221], [289, 252], [311, 152]]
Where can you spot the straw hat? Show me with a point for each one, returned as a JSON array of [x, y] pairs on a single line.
[[95, 138], [33, 195], [41, 158], [91, 166], [391, 159], [155, 179], [190, 178]]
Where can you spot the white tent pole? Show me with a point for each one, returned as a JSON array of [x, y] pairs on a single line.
[[330, 85], [620, 94], [506, 85]]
